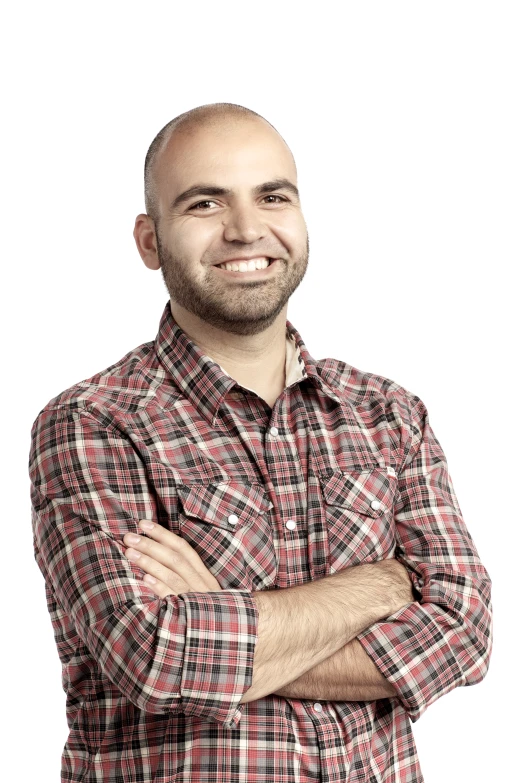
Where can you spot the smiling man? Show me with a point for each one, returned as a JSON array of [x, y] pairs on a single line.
[[225, 225], [255, 562]]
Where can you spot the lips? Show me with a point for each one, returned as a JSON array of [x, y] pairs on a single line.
[[249, 270], [246, 259]]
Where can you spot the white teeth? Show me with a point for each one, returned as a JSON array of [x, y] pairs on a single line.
[[245, 266]]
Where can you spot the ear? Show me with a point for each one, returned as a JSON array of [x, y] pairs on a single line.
[[146, 242]]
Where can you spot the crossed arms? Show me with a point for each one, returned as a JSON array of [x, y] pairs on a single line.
[[207, 652], [300, 630]]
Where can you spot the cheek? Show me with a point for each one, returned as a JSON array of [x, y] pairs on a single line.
[[190, 242], [290, 229]]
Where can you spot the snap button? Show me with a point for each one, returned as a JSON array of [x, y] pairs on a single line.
[[233, 519], [274, 431], [318, 707], [375, 505], [290, 524]]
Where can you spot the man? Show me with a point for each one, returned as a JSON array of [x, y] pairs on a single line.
[[255, 562]]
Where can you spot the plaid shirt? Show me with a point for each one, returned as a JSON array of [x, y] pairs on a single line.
[[344, 469]]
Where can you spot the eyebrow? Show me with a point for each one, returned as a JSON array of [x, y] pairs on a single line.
[[204, 189]]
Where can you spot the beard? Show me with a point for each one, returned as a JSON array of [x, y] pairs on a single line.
[[245, 308]]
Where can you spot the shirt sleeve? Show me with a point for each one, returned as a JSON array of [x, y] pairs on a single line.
[[443, 639], [191, 653]]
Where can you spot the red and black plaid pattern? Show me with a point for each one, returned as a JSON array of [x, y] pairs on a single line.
[[349, 460]]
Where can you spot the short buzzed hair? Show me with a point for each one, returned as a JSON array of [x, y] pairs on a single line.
[[204, 114]]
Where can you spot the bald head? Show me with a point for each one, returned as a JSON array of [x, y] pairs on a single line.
[[210, 116]]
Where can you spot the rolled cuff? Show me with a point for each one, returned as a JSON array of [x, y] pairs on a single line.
[[218, 663], [409, 649]]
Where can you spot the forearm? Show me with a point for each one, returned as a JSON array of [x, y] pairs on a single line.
[[301, 626], [347, 675]]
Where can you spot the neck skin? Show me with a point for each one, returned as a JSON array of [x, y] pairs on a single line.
[[255, 361]]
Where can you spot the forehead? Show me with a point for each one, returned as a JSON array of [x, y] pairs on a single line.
[[233, 154]]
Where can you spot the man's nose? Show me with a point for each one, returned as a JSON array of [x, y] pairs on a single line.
[[243, 224]]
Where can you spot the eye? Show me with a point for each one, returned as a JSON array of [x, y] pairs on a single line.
[[202, 206], [276, 196]]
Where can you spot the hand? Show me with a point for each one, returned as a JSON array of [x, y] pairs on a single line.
[[171, 565], [398, 586]]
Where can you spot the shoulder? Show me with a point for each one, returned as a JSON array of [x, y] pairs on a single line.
[[114, 392], [382, 404], [362, 388]]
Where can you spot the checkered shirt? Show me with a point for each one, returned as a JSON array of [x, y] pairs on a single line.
[[349, 459]]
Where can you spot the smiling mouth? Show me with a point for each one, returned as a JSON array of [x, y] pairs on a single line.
[[250, 265]]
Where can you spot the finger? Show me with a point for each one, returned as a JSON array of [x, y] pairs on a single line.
[[180, 546], [173, 561], [176, 579], [158, 587]]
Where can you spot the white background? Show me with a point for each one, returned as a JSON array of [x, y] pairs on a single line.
[[404, 118]]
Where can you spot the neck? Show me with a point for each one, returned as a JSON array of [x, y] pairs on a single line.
[[255, 361]]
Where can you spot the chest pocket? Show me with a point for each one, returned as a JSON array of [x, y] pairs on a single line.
[[229, 527], [359, 511]]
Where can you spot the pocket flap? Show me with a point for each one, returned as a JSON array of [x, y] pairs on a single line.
[[368, 491], [228, 504]]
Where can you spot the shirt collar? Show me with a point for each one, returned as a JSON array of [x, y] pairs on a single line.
[[205, 383]]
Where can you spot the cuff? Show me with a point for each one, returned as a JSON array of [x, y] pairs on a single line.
[[218, 662], [407, 648]]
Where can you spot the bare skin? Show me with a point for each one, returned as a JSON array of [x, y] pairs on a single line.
[[299, 654], [238, 319]]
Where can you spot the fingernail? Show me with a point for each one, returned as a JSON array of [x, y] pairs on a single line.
[[132, 554], [150, 579], [132, 539], [146, 525]]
